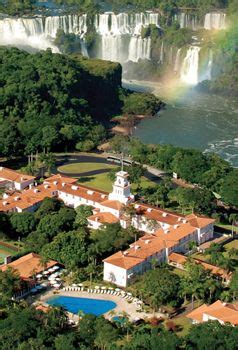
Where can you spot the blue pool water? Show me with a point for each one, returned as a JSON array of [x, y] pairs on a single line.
[[88, 306]]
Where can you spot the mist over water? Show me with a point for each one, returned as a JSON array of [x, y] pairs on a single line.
[[191, 119]]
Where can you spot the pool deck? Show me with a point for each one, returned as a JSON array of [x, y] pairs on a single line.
[[122, 304]]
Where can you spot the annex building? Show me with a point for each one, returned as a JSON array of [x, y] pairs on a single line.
[[164, 232]]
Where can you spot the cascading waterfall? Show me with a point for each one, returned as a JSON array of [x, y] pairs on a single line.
[[119, 38], [139, 49], [215, 21], [177, 61], [189, 69], [39, 32], [187, 20], [121, 35], [162, 53]]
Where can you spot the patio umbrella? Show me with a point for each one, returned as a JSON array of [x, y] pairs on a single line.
[[51, 269], [55, 268], [80, 284], [39, 275], [58, 279], [103, 287], [118, 290], [110, 288], [45, 272], [56, 285], [129, 294], [74, 285], [97, 287], [44, 285]]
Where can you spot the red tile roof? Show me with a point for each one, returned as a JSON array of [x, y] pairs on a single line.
[[223, 312], [28, 265], [182, 259], [104, 218], [12, 175]]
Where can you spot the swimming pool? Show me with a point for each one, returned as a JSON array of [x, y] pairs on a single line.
[[87, 306]]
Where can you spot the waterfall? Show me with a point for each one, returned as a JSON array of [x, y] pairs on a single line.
[[189, 70], [121, 35], [162, 53], [139, 49], [187, 20], [215, 21], [177, 61], [39, 32]]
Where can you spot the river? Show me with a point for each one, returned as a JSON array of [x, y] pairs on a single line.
[[191, 119]]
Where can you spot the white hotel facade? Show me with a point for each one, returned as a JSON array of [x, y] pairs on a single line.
[[164, 232]]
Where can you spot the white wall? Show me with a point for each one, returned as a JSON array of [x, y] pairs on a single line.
[[114, 274], [20, 186]]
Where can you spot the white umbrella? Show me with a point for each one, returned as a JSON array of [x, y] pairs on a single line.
[[129, 294], [44, 285], [58, 279], [56, 285], [118, 290], [81, 285], [51, 269], [110, 288], [56, 273], [55, 268], [46, 273], [74, 285], [53, 282], [39, 275], [103, 287], [97, 287], [50, 278]]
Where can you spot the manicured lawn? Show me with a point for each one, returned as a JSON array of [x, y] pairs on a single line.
[[102, 182], [227, 227], [232, 244], [84, 167], [183, 323], [200, 256]]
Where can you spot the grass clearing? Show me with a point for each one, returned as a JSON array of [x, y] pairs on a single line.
[[200, 256], [84, 167], [232, 244], [183, 324], [102, 182]]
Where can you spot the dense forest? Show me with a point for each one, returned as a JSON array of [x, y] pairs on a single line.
[[49, 101]]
